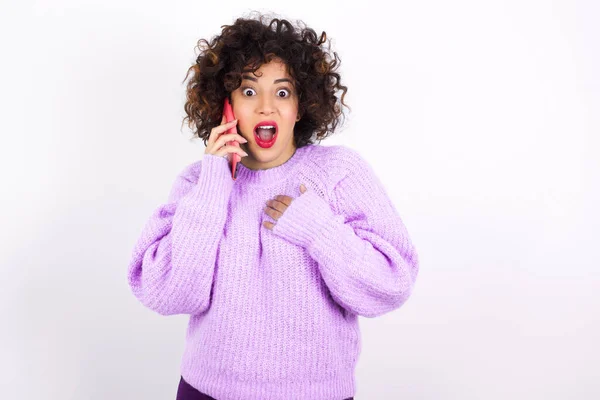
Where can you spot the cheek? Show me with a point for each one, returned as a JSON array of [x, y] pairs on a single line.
[[239, 106], [290, 114]]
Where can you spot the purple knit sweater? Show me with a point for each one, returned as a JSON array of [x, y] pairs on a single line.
[[274, 313]]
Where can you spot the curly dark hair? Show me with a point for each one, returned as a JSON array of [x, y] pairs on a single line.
[[244, 47]]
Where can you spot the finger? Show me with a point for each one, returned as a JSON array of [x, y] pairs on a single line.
[[268, 225], [273, 213], [287, 200], [218, 130], [277, 205], [232, 139], [226, 149], [211, 137]]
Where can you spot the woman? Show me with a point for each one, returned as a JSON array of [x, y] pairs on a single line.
[[273, 267]]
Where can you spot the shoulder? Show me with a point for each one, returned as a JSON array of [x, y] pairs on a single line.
[[185, 181], [336, 156], [339, 161], [190, 172], [352, 182]]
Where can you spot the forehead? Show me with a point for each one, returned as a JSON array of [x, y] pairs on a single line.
[[273, 68]]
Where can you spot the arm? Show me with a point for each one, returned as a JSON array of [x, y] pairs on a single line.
[[363, 249], [172, 265]]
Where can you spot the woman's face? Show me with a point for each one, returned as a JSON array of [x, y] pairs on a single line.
[[269, 98]]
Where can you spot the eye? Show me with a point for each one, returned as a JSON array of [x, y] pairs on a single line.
[[283, 90], [246, 89]]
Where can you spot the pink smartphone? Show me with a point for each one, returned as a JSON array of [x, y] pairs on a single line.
[[234, 158]]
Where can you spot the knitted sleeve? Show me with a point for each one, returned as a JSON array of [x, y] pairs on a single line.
[[361, 245], [172, 265]]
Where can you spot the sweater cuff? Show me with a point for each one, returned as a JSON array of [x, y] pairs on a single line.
[[305, 220]]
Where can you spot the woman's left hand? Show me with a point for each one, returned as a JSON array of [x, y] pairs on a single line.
[[277, 206]]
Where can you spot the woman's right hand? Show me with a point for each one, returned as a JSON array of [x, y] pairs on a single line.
[[217, 141]]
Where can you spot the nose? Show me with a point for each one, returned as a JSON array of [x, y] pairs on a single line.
[[266, 106]]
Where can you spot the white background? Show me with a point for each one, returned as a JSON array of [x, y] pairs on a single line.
[[480, 117]]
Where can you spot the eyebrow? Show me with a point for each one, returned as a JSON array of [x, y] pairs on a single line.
[[275, 81]]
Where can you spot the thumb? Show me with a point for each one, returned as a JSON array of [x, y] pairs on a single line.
[[302, 188]]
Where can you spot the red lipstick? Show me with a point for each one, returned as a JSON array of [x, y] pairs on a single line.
[[270, 125]]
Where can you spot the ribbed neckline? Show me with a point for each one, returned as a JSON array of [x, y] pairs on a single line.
[[247, 176]]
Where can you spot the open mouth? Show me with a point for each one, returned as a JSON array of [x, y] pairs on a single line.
[[265, 133]]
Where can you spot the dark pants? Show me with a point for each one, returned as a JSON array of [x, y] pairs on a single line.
[[187, 392]]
